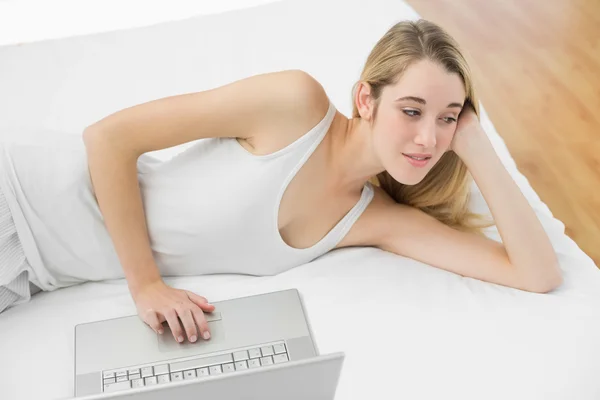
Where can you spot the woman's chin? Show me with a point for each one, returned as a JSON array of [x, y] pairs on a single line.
[[408, 178], [408, 174], [413, 181]]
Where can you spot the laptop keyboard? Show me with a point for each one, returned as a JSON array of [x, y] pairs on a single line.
[[194, 368]]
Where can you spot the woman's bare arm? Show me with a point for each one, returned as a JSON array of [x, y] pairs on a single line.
[[525, 260], [114, 177], [241, 109]]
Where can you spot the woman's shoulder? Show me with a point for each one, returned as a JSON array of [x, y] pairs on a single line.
[[308, 106]]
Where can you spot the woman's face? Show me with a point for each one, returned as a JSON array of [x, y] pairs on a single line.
[[416, 119]]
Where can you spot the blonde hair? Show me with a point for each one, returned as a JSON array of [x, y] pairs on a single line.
[[444, 193]]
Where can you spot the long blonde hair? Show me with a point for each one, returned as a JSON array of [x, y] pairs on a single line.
[[444, 193]]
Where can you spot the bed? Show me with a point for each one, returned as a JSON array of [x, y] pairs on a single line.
[[409, 330]]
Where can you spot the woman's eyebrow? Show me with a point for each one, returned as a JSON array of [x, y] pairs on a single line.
[[422, 101], [412, 98]]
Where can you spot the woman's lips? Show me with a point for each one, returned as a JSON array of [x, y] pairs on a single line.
[[416, 163]]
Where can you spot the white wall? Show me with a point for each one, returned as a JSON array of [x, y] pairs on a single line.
[[24, 21]]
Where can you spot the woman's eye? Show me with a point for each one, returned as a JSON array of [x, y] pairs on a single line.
[[411, 113], [449, 120]]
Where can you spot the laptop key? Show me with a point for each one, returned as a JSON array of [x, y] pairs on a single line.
[[107, 375], [189, 374], [229, 367], [161, 369], [151, 380], [279, 348], [122, 379], [120, 373], [115, 387], [267, 351], [215, 370], [280, 358], [134, 376], [254, 363], [202, 371], [137, 383], [201, 362], [240, 355], [266, 361], [241, 365], [176, 376], [135, 371], [109, 380], [146, 372], [166, 378], [254, 353]]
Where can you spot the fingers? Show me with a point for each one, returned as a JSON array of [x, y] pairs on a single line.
[[182, 310], [185, 314], [152, 320], [201, 322], [198, 305], [174, 325], [200, 301]]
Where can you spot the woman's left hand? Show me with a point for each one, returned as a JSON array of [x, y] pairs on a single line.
[[469, 134]]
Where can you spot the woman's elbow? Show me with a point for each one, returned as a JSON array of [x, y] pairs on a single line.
[[546, 285]]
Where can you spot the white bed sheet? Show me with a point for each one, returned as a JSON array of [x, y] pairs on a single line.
[[409, 330]]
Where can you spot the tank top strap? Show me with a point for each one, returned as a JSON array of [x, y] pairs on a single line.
[[311, 141], [343, 227]]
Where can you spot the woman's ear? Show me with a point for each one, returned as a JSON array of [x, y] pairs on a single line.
[[363, 100]]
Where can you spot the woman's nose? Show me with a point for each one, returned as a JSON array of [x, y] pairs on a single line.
[[426, 136]]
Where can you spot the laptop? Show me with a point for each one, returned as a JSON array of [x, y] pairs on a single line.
[[261, 347]]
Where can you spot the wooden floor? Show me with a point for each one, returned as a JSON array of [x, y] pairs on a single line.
[[536, 66]]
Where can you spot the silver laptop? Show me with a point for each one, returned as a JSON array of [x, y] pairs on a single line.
[[261, 347]]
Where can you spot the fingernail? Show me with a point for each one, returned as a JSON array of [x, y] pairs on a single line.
[[180, 339], [160, 331], [206, 335], [193, 338]]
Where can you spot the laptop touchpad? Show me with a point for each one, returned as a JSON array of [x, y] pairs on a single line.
[[166, 341]]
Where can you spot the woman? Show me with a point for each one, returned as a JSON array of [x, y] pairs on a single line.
[[282, 179]]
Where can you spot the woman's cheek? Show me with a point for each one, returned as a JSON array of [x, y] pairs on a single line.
[[447, 139]]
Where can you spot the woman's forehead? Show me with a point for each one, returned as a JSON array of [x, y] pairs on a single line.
[[430, 81]]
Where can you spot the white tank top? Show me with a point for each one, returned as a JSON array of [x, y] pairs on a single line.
[[210, 209]]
